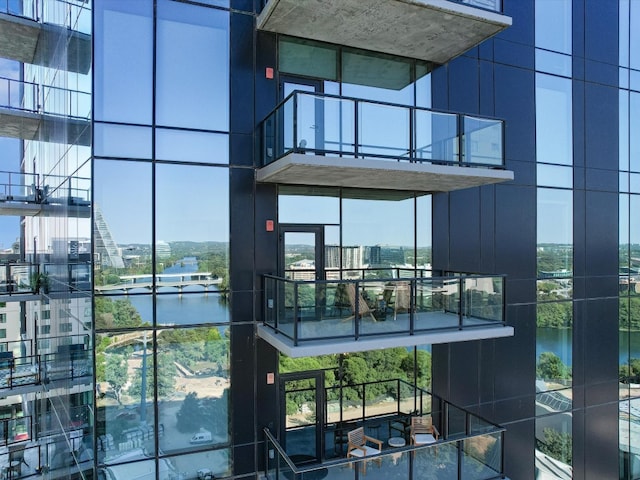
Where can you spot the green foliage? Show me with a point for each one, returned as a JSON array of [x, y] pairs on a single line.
[[379, 369], [555, 257], [555, 315], [115, 373], [556, 444], [116, 314], [550, 367], [188, 417], [629, 312], [630, 373], [166, 377]]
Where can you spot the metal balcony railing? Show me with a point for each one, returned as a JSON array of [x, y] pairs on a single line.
[[20, 278], [469, 446], [43, 189], [331, 125], [307, 310], [74, 15], [44, 99]]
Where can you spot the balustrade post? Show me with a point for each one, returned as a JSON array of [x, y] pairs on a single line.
[[295, 314]]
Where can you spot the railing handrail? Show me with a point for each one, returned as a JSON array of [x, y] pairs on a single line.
[[349, 461], [378, 102], [377, 280]]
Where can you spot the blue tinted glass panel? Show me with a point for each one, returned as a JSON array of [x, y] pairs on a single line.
[[552, 62], [634, 126], [554, 120], [124, 141], [192, 69], [554, 176], [553, 25], [190, 146], [123, 61]]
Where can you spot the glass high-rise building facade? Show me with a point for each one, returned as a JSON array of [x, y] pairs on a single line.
[[238, 234]]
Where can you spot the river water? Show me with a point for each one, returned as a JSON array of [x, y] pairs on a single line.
[[194, 306]]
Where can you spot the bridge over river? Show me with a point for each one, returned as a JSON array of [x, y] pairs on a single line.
[[175, 280]]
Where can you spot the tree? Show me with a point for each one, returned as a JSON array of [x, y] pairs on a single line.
[[189, 418], [115, 373], [550, 367], [556, 444], [166, 376]]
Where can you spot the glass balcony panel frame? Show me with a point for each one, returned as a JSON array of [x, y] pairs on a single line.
[[351, 310], [418, 134], [472, 447]]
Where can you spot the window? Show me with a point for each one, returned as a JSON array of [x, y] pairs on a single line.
[[3, 333], [3, 318], [45, 329], [65, 327]]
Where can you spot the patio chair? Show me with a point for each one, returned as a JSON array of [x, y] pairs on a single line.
[[358, 446], [363, 306], [423, 432]]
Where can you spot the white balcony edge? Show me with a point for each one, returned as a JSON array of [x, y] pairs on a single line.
[[333, 346]]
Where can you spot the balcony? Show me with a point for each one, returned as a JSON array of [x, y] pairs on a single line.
[[31, 30], [317, 317], [28, 372], [328, 140], [29, 194], [29, 111], [24, 281], [468, 447], [432, 30]]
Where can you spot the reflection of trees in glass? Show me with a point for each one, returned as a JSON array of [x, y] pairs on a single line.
[[191, 347], [207, 413], [554, 315], [115, 373], [551, 367], [630, 372], [354, 369], [556, 444], [629, 313], [116, 314], [555, 258], [166, 377]]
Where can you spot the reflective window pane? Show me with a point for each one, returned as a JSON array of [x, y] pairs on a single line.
[[554, 125], [195, 412], [554, 176], [122, 193], [553, 25], [123, 141], [125, 385], [202, 76], [192, 307], [308, 205], [190, 236], [123, 61], [377, 77], [308, 58], [554, 63], [555, 233], [554, 439], [203, 147]]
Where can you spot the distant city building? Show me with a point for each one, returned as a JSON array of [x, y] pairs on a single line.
[[163, 249]]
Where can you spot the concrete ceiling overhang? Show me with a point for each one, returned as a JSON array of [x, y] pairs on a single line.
[[432, 30], [333, 346], [28, 41], [300, 169], [20, 209], [26, 125]]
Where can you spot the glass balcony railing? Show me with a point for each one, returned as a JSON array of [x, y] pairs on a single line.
[[329, 125], [74, 15], [468, 447], [43, 189], [307, 310], [44, 99], [70, 361], [19, 278]]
